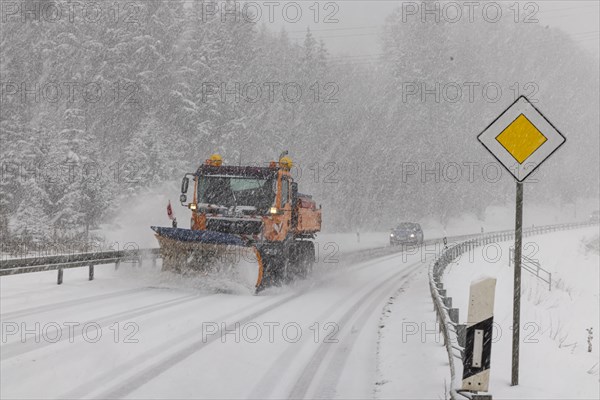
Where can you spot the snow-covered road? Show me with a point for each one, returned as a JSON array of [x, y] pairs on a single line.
[[139, 333]]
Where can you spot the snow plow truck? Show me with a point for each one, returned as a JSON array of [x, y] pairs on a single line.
[[248, 224]]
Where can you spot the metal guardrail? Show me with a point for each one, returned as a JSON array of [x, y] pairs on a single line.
[[532, 266], [90, 259], [366, 254], [448, 318], [62, 262]]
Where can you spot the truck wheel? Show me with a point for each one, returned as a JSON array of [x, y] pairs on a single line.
[[306, 250], [275, 268]]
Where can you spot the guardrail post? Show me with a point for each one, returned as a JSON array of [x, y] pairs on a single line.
[[59, 279], [461, 334], [91, 272], [453, 314], [447, 301]]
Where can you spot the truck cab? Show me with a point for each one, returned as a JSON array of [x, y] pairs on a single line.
[[259, 203]]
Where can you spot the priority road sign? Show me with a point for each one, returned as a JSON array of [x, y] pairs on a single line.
[[521, 138]]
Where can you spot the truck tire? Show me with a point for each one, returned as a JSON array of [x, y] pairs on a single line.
[[275, 268], [304, 258]]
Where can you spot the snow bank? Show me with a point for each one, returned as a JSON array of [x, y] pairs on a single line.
[[554, 361]]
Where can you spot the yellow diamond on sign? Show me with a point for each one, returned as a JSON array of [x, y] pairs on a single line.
[[521, 138]]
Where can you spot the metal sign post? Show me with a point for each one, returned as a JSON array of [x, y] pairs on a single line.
[[517, 285], [521, 139]]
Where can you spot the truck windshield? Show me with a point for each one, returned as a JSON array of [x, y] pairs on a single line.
[[236, 191]]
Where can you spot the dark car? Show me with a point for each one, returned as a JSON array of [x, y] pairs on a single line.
[[406, 233]]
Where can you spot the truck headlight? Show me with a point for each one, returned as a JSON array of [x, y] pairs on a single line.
[[391, 235], [412, 235]]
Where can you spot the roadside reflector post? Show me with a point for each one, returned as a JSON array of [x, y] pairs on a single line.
[[478, 337], [59, 280], [117, 264], [91, 272]]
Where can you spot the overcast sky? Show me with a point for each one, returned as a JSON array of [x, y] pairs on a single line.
[[357, 28]]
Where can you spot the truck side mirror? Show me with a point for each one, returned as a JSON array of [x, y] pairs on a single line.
[[184, 184]]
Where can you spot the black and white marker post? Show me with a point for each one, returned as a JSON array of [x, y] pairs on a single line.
[[478, 341]]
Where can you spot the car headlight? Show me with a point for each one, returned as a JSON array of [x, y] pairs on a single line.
[[412, 235], [391, 235]]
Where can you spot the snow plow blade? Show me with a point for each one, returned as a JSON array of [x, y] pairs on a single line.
[[223, 259]]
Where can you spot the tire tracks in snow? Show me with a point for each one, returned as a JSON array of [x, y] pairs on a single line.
[[125, 387], [157, 351], [266, 384], [69, 303], [328, 382], [269, 380], [147, 374], [16, 349]]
